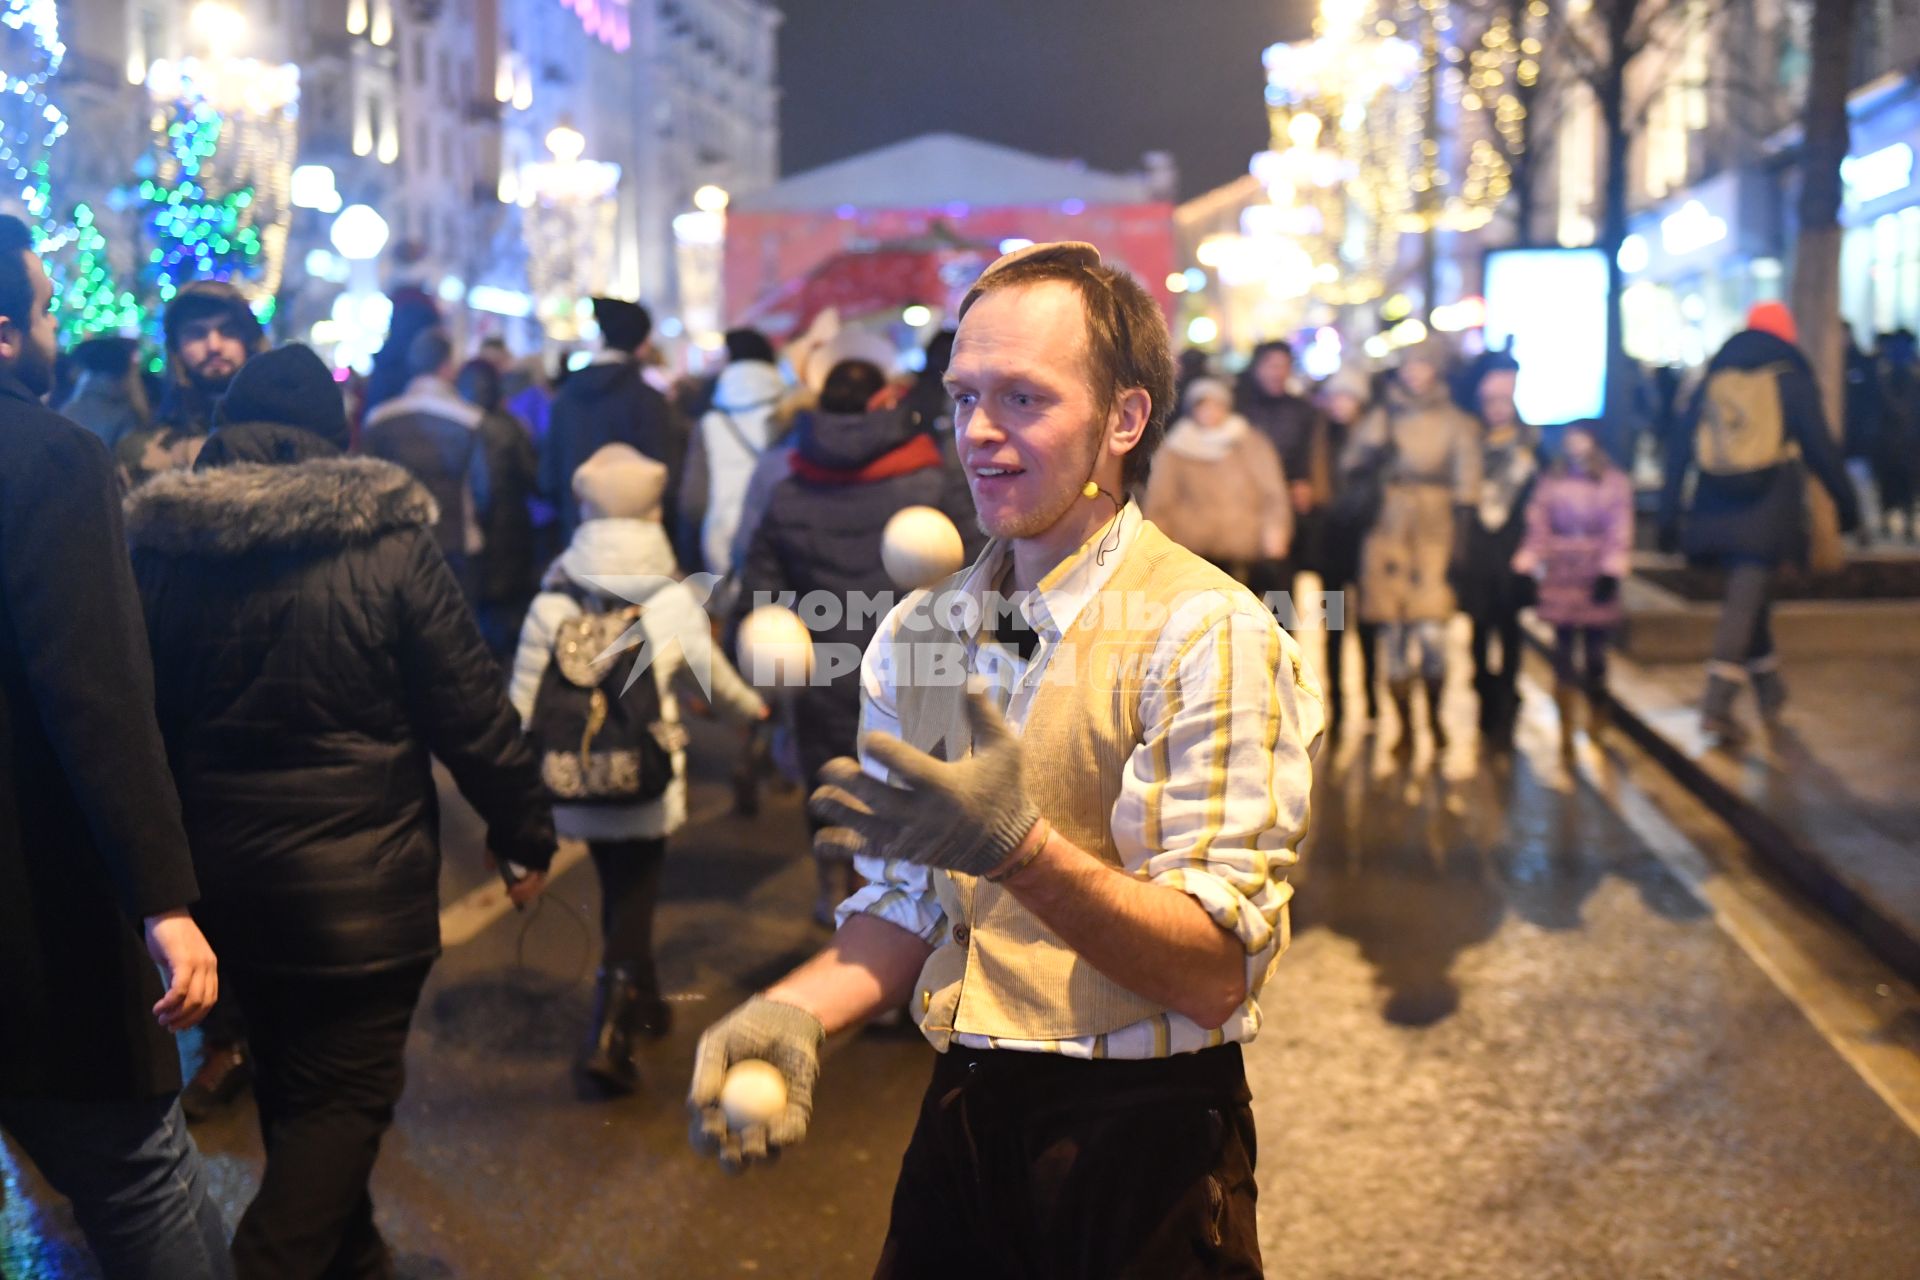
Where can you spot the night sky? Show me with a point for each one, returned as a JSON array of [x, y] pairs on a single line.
[[1103, 80]]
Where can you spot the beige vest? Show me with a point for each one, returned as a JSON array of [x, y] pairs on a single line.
[[999, 971]]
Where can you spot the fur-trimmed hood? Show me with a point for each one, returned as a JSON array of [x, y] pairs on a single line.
[[228, 512]]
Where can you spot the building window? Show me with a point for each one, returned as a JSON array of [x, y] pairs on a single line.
[[419, 58]]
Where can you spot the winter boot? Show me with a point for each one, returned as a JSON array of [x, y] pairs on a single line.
[[1769, 690], [1434, 718], [1401, 691], [1566, 698], [608, 1060], [1486, 690], [1716, 712]]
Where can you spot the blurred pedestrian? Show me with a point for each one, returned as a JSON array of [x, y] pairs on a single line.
[[1192, 363], [1491, 592], [624, 818], [739, 424], [611, 402], [435, 434], [1896, 453], [1345, 399], [508, 571], [92, 851], [1865, 408], [1754, 429], [414, 312], [314, 655], [1577, 551], [853, 466], [1218, 488], [1293, 425], [1429, 455], [110, 397], [210, 333]]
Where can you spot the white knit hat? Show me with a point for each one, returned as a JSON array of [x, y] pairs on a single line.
[[620, 483], [1207, 389]]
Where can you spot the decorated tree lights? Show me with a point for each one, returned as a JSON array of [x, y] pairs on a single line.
[[214, 198], [567, 219], [31, 123]]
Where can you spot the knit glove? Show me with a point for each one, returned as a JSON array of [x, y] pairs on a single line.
[[966, 815], [1606, 588], [782, 1034]]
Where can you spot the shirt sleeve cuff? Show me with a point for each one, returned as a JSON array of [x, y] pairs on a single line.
[[1224, 905], [914, 908]]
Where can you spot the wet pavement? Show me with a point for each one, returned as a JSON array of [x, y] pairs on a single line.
[[1507, 1043]]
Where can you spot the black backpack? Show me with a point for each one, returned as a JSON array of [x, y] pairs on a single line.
[[597, 745]]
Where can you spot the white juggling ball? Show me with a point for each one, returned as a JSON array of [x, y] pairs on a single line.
[[754, 1092], [919, 547], [774, 647]]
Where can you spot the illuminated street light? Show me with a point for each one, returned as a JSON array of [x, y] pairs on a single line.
[[917, 316], [711, 199], [219, 27], [359, 233], [566, 143]]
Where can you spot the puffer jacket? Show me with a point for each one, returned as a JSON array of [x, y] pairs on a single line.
[[821, 532], [313, 653], [609, 402], [740, 425]]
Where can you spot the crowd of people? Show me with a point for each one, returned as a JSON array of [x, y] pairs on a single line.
[[245, 610]]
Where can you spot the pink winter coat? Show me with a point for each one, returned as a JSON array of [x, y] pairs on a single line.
[[1579, 527]]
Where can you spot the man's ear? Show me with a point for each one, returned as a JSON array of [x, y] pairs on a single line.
[[12, 340], [1127, 421]]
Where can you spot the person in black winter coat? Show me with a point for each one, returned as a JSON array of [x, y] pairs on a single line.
[[1751, 520], [609, 402], [92, 851], [314, 654], [852, 470], [1294, 426]]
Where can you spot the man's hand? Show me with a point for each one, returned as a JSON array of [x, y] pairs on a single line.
[[784, 1035], [187, 966], [527, 888], [966, 816], [1301, 492]]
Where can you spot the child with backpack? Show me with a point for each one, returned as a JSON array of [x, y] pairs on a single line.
[[603, 645]]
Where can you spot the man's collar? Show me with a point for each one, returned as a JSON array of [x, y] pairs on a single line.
[[1054, 605], [12, 386], [610, 355]]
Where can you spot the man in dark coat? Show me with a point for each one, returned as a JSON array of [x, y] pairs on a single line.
[[609, 402], [315, 654], [509, 572], [91, 845], [435, 435], [1748, 513], [210, 332], [1297, 430]]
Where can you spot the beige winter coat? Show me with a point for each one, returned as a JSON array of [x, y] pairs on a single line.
[[1221, 493], [1435, 468]]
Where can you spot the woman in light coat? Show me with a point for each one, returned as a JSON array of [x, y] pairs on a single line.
[[1430, 451], [620, 537], [1218, 489]]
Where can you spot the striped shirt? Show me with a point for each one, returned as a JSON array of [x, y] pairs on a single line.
[[1213, 802]]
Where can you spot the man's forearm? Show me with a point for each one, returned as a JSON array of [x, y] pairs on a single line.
[[869, 967], [1155, 941]]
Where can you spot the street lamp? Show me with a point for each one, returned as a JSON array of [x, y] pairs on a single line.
[[566, 143], [219, 27], [711, 199], [359, 233]]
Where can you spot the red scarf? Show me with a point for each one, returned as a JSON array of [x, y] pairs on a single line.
[[916, 454]]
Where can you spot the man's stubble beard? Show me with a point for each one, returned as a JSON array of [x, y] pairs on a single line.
[[1053, 508], [34, 369]]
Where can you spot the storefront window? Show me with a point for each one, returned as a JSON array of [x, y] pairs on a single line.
[[1909, 271]]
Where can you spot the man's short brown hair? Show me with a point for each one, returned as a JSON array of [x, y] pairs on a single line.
[[1127, 341]]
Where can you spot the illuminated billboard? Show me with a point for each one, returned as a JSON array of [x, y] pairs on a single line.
[[1551, 304]]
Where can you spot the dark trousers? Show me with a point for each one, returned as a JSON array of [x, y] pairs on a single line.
[[138, 1189], [1496, 682], [1744, 636], [1031, 1165], [629, 891], [1580, 656], [329, 1065]]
